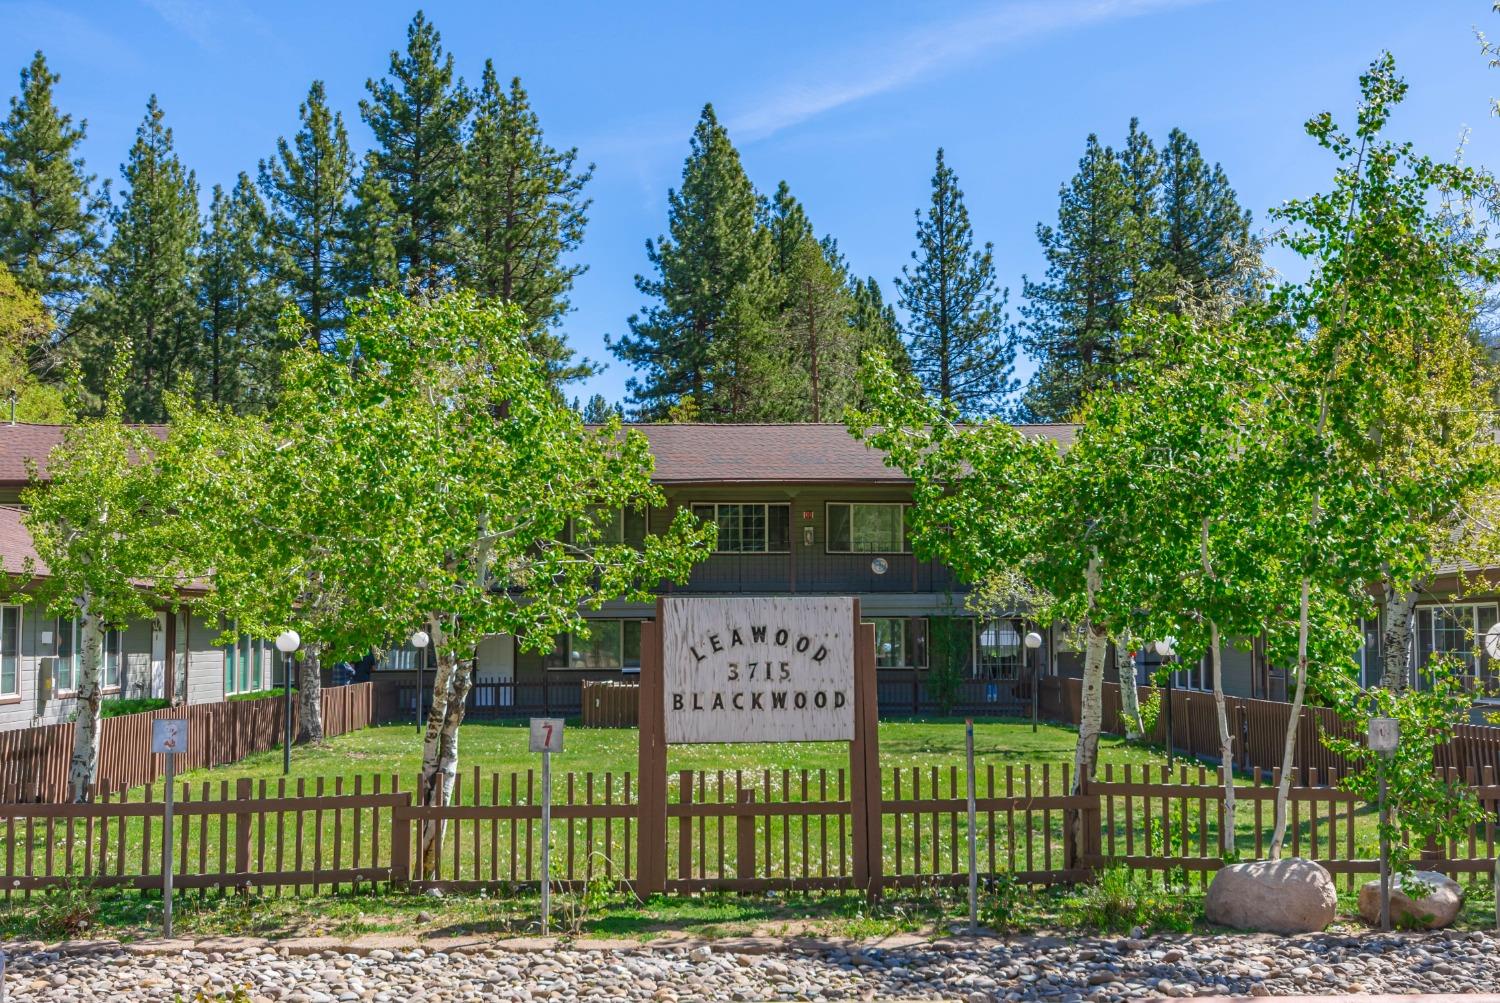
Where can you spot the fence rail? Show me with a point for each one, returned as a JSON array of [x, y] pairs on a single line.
[[743, 831], [34, 761]]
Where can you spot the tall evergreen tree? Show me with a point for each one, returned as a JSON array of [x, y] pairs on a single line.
[[1075, 315], [696, 345], [417, 114], [875, 322], [1203, 240], [237, 301], [307, 185], [962, 346], [50, 211], [368, 258], [524, 213], [145, 297]]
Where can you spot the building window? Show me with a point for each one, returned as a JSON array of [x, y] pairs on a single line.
[[997, 649], [749, 527], [900, 642], [1456, 631], [628, 526], [867, 528], [404, 658], [611, 644], [65, 676], [114, 658], [10, 652], [1193, 675], [244, 665]]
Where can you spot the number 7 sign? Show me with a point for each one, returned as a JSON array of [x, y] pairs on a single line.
[[546, 734]]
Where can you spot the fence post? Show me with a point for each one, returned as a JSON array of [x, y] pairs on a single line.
[[685, 826], [242, 832], [401, 843], [916, 693], [744, 838], [651, 765]]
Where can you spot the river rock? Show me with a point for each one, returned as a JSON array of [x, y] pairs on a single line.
[[1422, 900], [1277, 896]]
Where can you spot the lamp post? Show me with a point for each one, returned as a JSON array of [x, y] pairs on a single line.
[[419, 640], [1164, 648], [287, 642], [1033, 643]]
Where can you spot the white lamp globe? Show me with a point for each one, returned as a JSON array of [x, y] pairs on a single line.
[[1165, 645], [419, 639], [288, 641], [1033, 640]]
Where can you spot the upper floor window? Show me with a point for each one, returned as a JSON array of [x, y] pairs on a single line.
[[1455, 630], [749, 527], [900, 642], [867, 528], [10, 651], [627, 526]]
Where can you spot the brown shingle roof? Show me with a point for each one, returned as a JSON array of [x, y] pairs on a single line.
[[801, 453], [19, 441], [15, 544]]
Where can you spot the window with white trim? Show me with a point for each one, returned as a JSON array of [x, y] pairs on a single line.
[[65, 675], [627, 526], [10, 651], [1457, 630], [997, 648], [867, 528], [900, 642], [611, 644], [245, 662], [114, 659], [749, 527]]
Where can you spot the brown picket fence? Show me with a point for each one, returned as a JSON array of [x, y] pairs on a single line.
[[1258, 728], [740, 830], [34, 761]]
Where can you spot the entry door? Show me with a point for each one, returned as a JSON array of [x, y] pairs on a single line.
[[495, 671], [159, 656]]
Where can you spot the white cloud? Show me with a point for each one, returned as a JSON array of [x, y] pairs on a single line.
[[895, 62], [208, 23]]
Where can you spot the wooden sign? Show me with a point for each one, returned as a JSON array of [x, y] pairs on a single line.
[[1384, 734], [758, 669]]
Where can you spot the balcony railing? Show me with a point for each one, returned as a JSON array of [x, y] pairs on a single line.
[[815, 572]]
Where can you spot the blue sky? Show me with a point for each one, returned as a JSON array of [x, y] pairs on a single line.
[[846, 101]]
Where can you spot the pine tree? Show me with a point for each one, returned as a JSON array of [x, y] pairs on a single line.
[[1074, 317], [598, 410], [523, 213], [962, 346], [698, 344], [417, 114], [875, 323], [49, 210], [1204, 237], [145, 296], [306, 186], [368, 259], [1143, 171], [237, 301], [813, 330]]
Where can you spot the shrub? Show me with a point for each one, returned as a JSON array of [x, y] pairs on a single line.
[[68, 911], [1120, 899], [138, 705]]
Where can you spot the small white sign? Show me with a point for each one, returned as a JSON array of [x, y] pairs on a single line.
[[758, 669], [546, 734], [1385, 734], [169, 735]]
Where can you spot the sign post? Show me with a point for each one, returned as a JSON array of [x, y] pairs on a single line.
[[1384, 736], [546, 738], [169, 736], [973, 853]]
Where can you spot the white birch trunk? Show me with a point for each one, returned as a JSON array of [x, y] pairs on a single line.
[[310, 697], [1130, 698], [84, 767], [450, 694], [1226, 743], [1289, 749], [1091, 713], [1395, 653]]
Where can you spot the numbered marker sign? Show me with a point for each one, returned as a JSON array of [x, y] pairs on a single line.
[[169, 735], [546, 734], [1385, 733]]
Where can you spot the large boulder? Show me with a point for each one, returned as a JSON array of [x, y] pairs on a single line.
[[1277, 896], [1420, 900]]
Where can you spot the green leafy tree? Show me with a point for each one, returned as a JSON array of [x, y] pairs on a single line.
[[962, 345], [50, 210], [417, 113], [25, 324], [703, 334], [109, 547], [307, 187], [523, 215], [145, 295], [237, 301]]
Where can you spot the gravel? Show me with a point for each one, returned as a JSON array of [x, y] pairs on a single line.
[[1061, 969]]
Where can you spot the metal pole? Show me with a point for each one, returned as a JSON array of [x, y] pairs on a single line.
[[973, 853], [546, 840], [166, 849], [421, 672], [1385, 855], [1170, 682], [289, 669], [1036, 683]]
